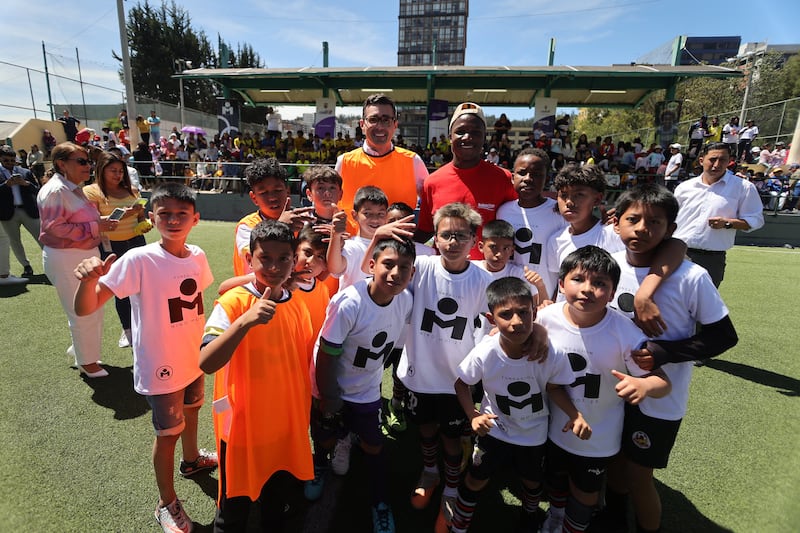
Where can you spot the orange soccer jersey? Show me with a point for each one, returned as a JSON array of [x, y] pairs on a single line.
[[393, 173], [240, 267], [262, 397]]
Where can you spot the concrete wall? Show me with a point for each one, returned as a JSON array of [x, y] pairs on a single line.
[[778, 230], [225, 207]]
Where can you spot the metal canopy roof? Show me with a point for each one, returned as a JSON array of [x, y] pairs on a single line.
[[612, 86]]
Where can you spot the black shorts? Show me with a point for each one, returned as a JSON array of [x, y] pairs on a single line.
[[491, 454], [587, 473], [648, 441], [363, 419], [441, 409]]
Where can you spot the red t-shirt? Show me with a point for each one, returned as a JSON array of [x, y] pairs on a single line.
[[485, 187]]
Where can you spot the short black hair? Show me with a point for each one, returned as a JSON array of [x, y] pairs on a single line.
[[715, 146], [317, 240], [271, 230], [263, 168], [378, 99], [502, 290], [650, 194], [538, 152], [402, 207], [372, 194], [497, 229], [322, 174], [404, 248], [591, 259], [173, 191], [588, 175]]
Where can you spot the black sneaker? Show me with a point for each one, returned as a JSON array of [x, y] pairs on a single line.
[[27, 272], [205, 461]]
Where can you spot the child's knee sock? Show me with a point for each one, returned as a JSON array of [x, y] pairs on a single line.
[[452, 473], [531, 499], [465, 508], [430, 452], [577, 516], [378, 467]]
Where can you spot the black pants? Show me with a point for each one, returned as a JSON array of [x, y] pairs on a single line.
[[233, 513], [713, 262]]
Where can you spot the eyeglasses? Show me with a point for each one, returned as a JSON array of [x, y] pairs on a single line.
[[385, 120], [459, 236], [81, 161]]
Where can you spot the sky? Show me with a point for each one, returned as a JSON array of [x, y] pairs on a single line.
[[360, 33]]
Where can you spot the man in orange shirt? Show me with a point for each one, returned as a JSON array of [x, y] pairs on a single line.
[[398, 172]]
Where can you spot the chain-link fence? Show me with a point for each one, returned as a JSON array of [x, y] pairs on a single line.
[[775, 121]]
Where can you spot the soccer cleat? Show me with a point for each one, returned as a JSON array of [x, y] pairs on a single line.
[[395, 419], [205, 461], [382, 518], [340, 460], [173, 518], [312, 489], [27, 272], [428, 481], [554, 521]]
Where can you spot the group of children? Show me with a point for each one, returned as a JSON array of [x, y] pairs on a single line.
[[571, 393]]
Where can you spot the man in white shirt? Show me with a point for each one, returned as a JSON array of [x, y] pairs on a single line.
[[730, 135], [674, 164], [712, 207], [746, 136]]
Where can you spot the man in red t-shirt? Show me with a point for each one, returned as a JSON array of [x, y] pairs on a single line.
[[468, 178]]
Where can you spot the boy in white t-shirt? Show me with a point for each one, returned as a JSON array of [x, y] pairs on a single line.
[[534, 217], [165, 282], [362, 324], [580, 190], [513, 418], [646, 217], [370, 209], [449, 300], [598, 342], [497, 247]]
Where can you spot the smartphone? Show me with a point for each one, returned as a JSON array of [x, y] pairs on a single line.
[[116, 214]]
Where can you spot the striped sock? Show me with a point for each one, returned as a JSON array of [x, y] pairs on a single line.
[[531, 498], [577, 516], [452, 471], [430, 451], [465, 508]]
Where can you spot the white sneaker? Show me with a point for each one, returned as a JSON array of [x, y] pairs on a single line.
[[173, 518], [340, 460], [553, 522], [124, 339]]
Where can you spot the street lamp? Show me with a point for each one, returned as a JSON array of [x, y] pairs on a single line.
[[180, 66]]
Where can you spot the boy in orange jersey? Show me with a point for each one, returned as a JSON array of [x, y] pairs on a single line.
[[258, 340], [269, 191]]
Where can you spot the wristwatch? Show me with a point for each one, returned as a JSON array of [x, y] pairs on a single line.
[[728, 225]]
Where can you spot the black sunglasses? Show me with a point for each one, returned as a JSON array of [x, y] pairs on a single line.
[[81, 161]]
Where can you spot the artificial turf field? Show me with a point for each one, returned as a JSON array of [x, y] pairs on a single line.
[[76, 453]]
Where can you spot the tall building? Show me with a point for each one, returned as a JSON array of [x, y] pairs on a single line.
[[684, 50], [432, 32]]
